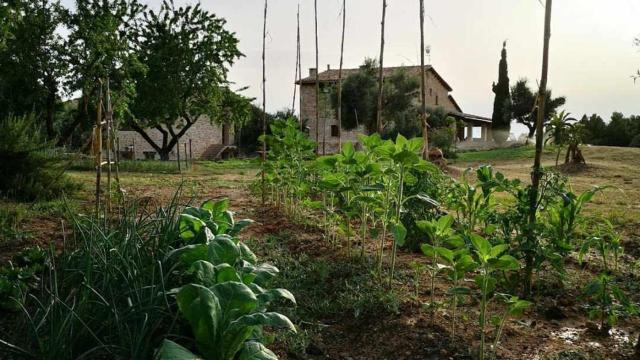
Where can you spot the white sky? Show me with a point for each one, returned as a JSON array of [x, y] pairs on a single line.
[[592, 52]]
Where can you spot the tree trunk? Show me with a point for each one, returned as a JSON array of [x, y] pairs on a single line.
[[344, 20], [379, 126], [423, 112], [52, 90], [532, 130], [536, 174], [82, 115], [315, 4]]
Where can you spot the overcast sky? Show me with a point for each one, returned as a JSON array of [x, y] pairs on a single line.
[[592, 51]]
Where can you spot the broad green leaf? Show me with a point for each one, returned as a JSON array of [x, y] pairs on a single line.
[[226, 272], [348, 151], [488, 286], [172, 351], [246, 254], [445, 254], [201, 308], [216, 206], [399, 233], [190, 226], [204, 273], [505, 263], [498, 249], [415, 144], [428, 200], [481, 245], [253, 350], [264, 273], [459, 290], [235, 298], [445, 222], [428, 250], [239, 226], [223, 250]]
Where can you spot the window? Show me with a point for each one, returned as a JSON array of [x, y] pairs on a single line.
[[334, 130], [436, 100], [430, 92]]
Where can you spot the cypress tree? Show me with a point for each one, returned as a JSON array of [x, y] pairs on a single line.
[[501, 106]]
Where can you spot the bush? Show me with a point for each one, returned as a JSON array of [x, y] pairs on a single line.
[[29, 168], [443, 139]]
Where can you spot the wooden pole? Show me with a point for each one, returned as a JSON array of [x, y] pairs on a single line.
[[379, 126], [109, 146], [190, 153], [423, 75], [186, 157], [295, 86], [344, 21], [317, 82], [178, 157], [536, 174], [300, 73], [264, 100], [98, 149]]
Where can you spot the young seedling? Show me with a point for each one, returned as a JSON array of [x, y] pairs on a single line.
[[489, 260], [515, 307]]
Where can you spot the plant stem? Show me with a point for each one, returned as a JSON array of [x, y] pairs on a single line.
[[499, 333], [398, 208]]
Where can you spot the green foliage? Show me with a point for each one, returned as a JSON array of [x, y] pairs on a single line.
[[31, 169], [32, 60], [501, 118], [523, 105], [359, 96], [20, 276], [226, 304], [186, 51]]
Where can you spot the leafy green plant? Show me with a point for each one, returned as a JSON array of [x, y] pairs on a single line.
[[515, 307], [438, 232], [224, 319], [490, 259]]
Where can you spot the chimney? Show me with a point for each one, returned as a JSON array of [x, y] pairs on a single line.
[[313, 72], [328, 67]]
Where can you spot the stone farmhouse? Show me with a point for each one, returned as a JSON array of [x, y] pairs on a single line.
[[438, 94], [203, 140]]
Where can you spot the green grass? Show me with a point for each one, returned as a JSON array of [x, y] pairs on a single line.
[[503, 154], [141, 166]]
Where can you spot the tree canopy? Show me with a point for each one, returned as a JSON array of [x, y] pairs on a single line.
[[501, 118], [32, 59], [187, 52], [524, 108]]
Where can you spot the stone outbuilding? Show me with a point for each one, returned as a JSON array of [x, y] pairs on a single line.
[[438, 94], [204, 140]]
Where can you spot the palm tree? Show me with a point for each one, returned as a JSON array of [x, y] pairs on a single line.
[[557, 130]]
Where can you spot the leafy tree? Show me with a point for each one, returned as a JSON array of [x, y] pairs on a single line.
[[187, 52], [359, 101], [101, 47], [501, 118], [359, 96], [524, 108], [558, 131], [594, 128], [619, 131], [32, 59]]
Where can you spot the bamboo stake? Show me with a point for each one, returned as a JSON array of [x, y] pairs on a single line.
[[536, 174], [300, 73], [344, 21], [380, 71], [186, 157], [190, 153], [264, 99], [98, 149], [109, 147], [317, 81], [295, 86], [423, 114], [178, 157]]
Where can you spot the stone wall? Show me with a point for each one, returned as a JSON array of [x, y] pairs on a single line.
[[202, 135], [327, 117]]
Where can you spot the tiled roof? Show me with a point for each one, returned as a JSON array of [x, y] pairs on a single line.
[[331, 75]]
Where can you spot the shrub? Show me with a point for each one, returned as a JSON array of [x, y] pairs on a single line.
[[29, 169], [443, 139]]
